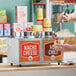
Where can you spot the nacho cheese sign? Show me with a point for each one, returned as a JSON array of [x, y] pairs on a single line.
[[50, 54], [30, 51]]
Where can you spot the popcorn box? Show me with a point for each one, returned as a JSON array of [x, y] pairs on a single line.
[[1, 29], [3, 19], [29, 25], [21, 14], [7, 30], [2, 12], [18, 27], [25, 26]]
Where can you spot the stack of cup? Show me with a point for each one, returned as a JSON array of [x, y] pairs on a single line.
[[37, 28], [39, 16], [47, 26]]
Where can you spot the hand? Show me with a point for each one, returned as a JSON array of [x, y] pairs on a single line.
[[63, 47], [64, 17], [58, 48], [67, 47]]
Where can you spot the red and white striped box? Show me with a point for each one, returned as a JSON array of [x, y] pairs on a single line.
[[21, 15], [29, 25], [7, 29], [17, 27]]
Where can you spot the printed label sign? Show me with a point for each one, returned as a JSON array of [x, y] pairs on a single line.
[[30, 51], [51, 52]]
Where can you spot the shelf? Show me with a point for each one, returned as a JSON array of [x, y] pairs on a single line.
[[54, 4], [3, 55], [8, 68], [43, 2], [39, 4], [63, 3]]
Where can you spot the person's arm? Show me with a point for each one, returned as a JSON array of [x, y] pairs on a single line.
[[72, 17], [72, 47], [68, 17], [68, 47]]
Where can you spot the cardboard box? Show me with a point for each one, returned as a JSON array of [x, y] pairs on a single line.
[[1, 30], [18, 27], [7, 30], [3, 19], [2, 12], [25, 26], [21, 14], [29, 25], [3, 50], [3, 46]]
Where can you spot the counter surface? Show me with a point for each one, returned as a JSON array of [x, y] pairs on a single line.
[[7, 67]]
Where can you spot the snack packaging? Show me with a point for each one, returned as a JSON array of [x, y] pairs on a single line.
[[3, 19], [1, 30], [7, 30], [21, 14]]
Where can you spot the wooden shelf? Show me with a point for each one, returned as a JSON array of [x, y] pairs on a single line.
[[7, 67]]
